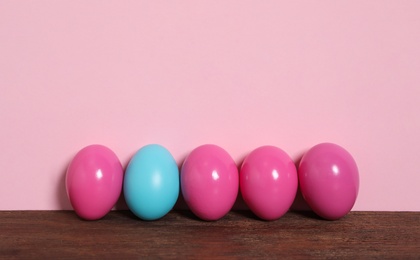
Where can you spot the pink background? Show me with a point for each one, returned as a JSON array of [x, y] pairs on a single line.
[[239, 74]]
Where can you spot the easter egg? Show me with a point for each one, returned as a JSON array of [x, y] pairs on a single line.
[[209, 182], [94, 181], [268, 182], [151, 183], [329, 180]]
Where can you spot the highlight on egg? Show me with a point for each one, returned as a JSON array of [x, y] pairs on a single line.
[[329, 180], [151, 182], [94, 181]]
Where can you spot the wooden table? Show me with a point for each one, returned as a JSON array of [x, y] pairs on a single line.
[[61, 234]]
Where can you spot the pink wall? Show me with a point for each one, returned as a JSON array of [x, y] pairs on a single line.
[[239, 74]]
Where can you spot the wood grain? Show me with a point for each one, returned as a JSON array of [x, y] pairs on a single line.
[[61, 234]]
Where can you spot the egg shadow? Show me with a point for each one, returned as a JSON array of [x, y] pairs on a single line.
[[180, 204], [308, 214], [299, 205], [127, 214], [61, 192], [240, 204], [188, 214], [240, 207], [121, 204]]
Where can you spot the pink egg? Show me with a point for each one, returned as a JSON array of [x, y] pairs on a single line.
[[94, 181], [268, 182], [329, 180], [209, 182]]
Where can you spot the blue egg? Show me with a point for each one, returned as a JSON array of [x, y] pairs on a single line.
[[151, 182]]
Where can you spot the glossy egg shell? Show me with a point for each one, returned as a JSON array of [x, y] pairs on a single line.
[[268, 182], [329, 180], [151, 183], [209, 182], [94, 181]]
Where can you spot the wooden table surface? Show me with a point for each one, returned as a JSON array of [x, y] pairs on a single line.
[[61, 234]]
